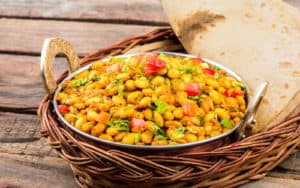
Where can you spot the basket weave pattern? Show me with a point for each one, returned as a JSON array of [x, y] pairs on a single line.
[[229, 166]]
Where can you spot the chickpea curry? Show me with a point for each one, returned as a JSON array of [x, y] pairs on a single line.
[[152, 99]]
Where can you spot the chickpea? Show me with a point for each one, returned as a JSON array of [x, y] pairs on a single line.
[[91, 115], [158, 80], [69, 117], [142, 83], [158, 119], [231, 102], [147, 114], [178, 85], [173, 124], [98, 129], [86, 127], [118, 101], [149, 125], [207, 104], [83, 74], [61, 96], [103, 82], [237, 120], [190, 137], [112, 131], [106, 137], [123, 76], [209, 116], [167, 98], [148, 92], [174, 73], [181, 97], [211, 82], [186, 78], [129, 138], [159, 142], [146, 137], [178, 113], [168, 116], [104, 107], [145, 102], [79, 105], [216, 97], [130, 85], [134, 97], [223, 114], [93, 100], [208, 127], [79, 122], [120, 136], [200, 111], [161, 90], [138, 115]]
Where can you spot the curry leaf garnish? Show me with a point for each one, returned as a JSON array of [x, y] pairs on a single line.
[[114, 84], [201, 119], [187, 70]]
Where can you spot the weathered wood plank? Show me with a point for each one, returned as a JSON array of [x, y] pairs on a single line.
[[27, 172], [86, 37], [135, 11], [20, 81]]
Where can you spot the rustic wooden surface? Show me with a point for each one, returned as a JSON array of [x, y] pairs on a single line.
[[25, 158]]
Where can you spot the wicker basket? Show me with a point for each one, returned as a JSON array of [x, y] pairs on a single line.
[[229, 166]]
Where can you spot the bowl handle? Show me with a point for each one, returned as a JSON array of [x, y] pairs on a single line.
[[51, 48], [248, 120]]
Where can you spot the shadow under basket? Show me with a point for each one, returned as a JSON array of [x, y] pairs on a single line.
[[228, 166]]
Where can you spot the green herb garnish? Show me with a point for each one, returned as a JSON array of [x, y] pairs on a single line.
[[216, 68], [159, 132], [187, 70], [152, 86], [178, 133], [161, 106], [226, 123], [79, 82], [201, 119], [168, 82], [114, 84], [120, 125], [137, 138]]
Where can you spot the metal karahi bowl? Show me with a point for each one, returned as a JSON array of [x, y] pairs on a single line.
[[52, 47]]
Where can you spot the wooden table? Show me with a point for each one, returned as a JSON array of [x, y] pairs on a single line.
[[25, 158]]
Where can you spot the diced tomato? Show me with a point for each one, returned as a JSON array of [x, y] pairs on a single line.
[[148, 70], [63, 108], [156, 63], [113, 68], [209, 71], [152, 63], [198, 60], [189, 109], [137, 125], [103, 117], [226, 93], [192, 89], [237, 93]]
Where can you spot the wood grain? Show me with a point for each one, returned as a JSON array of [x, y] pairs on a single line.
[[130, 11], [28, 172], [86, 37]]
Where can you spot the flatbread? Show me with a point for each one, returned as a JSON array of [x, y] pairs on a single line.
[[258, 39]]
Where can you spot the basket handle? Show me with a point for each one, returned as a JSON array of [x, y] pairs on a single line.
[[51, 48], [249, 119]]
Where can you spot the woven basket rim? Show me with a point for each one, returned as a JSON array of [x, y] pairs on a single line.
[[230, 165]]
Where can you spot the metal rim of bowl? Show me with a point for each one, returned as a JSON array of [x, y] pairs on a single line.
[[150, 147]]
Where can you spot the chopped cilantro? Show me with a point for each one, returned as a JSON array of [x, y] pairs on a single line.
[[120, 125], [152, 86], [168, 82], [79, 82], [66, 101], [187, 70], [201, 119], [226, 123], [195, 98], [178, 133], [114, 84], [215, 67], [159, 132], [161, 106], [137, 138]]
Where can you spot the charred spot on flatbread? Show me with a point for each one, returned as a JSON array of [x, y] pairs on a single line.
[[196, 23]]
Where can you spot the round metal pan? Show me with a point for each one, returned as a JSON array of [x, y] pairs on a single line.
[[62, 46]]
